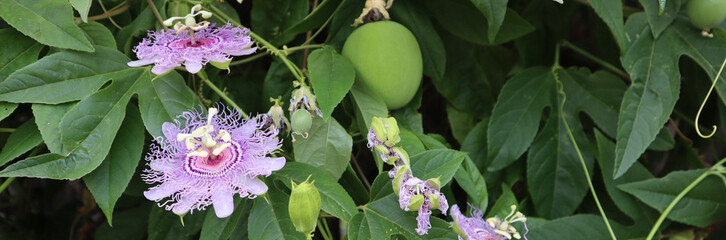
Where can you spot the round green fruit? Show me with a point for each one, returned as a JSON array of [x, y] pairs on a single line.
[[301, 121], [387, 59], [706, 14]]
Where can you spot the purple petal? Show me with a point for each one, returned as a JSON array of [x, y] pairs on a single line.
[[255, 186], [161, 69], [193, 66], [141, 62], [223, 203], [159, 192]]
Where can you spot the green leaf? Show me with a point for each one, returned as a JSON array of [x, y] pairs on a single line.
[[333, 197], [494, 11], [460, 122], [327, 147], [46, 165], [476, 142], [48, 118], [516, 115], [474, 74], [270, 219], [222, 228], [368, 105], [469, 178], [130, 225], [271, 17], [340, 26], [167, 225], [331, 75], [502, 207], [462, 18], [18, 51], [441, 163], [611, 12], [702, 206], [315, 19], [660, 19], [383, 218], [643, 216], [24, 138], [65, 76], [82, 6], [49, 22], [109, 180], [575, 226], [664, 141], [410, 142], [412, 15], [98, 34], [138, 27], [163, 100], [650, 99]]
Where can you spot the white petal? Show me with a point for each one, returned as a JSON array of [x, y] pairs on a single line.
[[193, 67]]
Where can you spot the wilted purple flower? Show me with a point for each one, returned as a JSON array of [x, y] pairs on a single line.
[[422, 196], [476, 228], [167, 50], [204, 161]]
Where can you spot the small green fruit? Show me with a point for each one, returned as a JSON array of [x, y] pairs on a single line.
[[706, 14], [301, 121], [304, 206], [387, 59]]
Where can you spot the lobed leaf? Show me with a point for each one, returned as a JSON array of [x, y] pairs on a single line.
[[49, 22]]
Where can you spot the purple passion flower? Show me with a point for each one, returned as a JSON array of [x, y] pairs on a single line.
[[422, 196], [204, 161], [476, 228], [167, 50]]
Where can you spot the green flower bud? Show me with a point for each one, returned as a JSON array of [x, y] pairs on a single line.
[[381, 149], [402, 154], [398, 180], [304, 206], [415, 203], [434, 201], [435, 183], [386, 130]]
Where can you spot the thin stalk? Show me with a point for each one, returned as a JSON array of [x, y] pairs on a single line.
[[262, 54], [561, 91], [111, 13], [360, 172], [321, 228], [156, 14], [7, 130], [277, 52], [6, 183], [327, 229], [603, 63], [100, 3], [221, 94]]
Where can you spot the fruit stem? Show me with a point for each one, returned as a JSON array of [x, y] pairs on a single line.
[[221, 94]]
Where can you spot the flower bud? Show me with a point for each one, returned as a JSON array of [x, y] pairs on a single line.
[[415, 203], [398, 180], [304, 206], [433, 201], [386, 130], [434, 183]]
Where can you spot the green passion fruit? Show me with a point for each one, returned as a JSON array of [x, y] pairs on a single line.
[[387, 59], [706, 14], [301, 121]]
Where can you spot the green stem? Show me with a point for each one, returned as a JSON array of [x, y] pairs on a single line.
[[156, 14], [321, 228], [603, 63], [262, 54], [7, 130], [6, 183], [327, 229], [113, 12], [221, 94], [561, 91], [295, 71]]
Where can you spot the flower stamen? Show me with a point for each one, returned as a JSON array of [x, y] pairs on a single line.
[[202, 142]]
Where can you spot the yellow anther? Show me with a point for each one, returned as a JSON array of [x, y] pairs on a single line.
[[218, 150], [224, 135], [198, 153]]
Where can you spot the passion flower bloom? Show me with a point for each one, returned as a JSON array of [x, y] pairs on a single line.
[[167, 49], [494, 228], [422, 196], [207, 160]]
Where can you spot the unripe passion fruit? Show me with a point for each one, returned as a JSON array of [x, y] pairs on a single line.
[[301, 121], [706, 14], [387, 59]]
